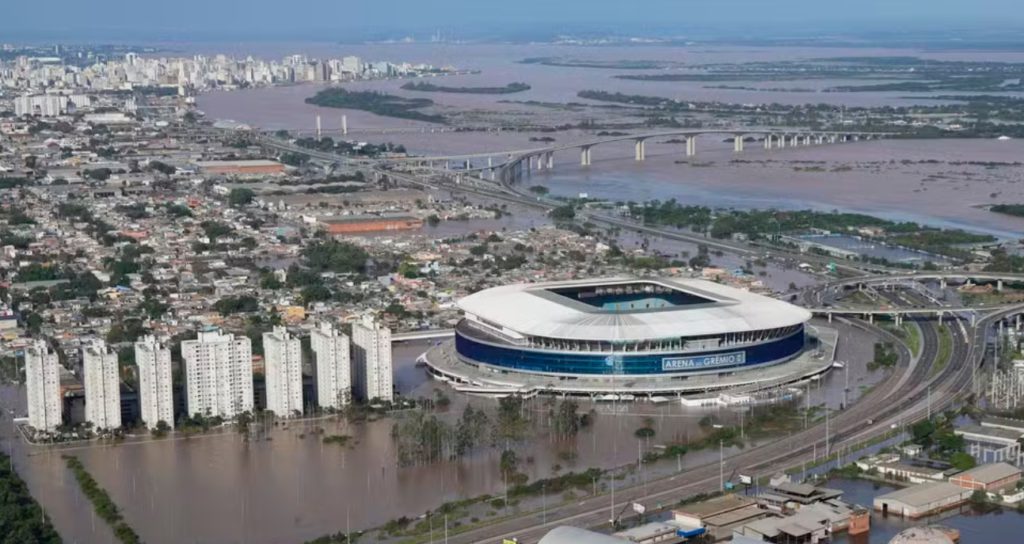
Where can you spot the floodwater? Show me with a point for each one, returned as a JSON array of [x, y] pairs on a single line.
[[999, 526], [218, 488], [919, 180]]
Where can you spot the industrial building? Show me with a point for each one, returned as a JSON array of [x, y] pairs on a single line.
[[241, 167], [358, 224], [992, 477], [922, 499]]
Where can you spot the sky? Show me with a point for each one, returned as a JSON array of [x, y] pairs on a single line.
[[122, 21]]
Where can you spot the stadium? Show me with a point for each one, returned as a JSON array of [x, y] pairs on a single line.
[[643, 335]]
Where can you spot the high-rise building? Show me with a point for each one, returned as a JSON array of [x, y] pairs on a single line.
[[218, 374], [42, 381], [371, 358], [333, 369], [283, 359], [102, 385], [154, 361]]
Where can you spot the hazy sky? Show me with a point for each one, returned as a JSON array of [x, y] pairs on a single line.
[[124, 20]]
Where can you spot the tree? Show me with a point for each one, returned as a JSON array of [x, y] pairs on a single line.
[[563, 213], [240, 196], [335, 256], [509, 464], [962, 461]]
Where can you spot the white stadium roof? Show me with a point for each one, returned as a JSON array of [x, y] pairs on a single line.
[[533, 310]]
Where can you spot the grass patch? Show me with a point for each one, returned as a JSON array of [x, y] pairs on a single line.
[[945, 350], [912, 336]]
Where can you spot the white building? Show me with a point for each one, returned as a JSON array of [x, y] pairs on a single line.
[[102, 386], [43, 105], [155, 400], [42, 381], [371, 358], [333, 367], [283, 359], [218, 374]]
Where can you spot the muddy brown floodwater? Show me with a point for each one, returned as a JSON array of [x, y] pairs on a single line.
[[293, 487]]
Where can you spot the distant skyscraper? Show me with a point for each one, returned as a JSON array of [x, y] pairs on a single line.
[[42, 381], [283, 359], [218, 374], [333, 369], [154, 360], [371, 358], [102, 386]]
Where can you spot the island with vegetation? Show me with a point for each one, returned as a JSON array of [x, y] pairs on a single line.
[[424, 87], [382, 104], [1016, 210], [564, 62]]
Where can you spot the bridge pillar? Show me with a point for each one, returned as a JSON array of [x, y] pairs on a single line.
[[447, 165], [490, 162], [832, 138], [737, 143], [691, 146], [999, 286], [585, 156], [830, 317], [640, 149], [940, 318], [550, 160], [493, 175], [469, 164], [871, 318], [807, 139], [821, 139], [942, 283], [795, 141], [767, 141], [319, 130]]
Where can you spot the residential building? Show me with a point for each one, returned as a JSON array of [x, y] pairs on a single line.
[[42, 382], [218, 374], [102, 379], [154, 361], [283, 369], [371, 358], [332, 366]]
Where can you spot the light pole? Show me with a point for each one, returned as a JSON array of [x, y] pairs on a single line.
[[721, 466]]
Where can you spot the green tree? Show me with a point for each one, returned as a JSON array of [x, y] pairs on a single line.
[[241, 196]]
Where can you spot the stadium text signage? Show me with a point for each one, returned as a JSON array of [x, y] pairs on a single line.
[[669, 364]]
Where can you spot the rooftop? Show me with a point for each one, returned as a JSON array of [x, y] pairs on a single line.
[[922, 495], [992, 472], [580, 310]]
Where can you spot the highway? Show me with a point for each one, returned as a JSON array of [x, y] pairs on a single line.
[[907, 396]]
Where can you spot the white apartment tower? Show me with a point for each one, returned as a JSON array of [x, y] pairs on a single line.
[[154, 361], [218, 374], [283, 358], [333, 368], [102, 385], [371, 358], [42, 380]]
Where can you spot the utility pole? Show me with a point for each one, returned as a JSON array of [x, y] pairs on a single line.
[[721, 466]]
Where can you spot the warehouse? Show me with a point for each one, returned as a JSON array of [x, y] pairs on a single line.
[[922, 499]]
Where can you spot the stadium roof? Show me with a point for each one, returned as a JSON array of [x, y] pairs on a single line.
[[534, 310]]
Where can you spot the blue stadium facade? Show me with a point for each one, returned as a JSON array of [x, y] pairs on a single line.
[[476, 346]]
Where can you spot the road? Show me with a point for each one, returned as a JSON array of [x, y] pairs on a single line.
[[909, 395]]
